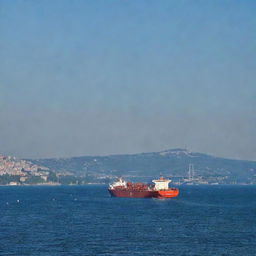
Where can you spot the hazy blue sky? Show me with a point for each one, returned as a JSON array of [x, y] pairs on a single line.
[[107, 77]]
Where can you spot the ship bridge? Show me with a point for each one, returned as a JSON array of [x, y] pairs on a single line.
[[161, 184]]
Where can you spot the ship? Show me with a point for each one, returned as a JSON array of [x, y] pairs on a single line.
[[160, 189]]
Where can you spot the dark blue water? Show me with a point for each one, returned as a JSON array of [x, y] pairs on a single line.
[[84, 220]]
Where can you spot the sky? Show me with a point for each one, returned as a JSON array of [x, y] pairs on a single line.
[[116, 77]]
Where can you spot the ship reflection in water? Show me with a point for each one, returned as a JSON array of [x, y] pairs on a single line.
[[160, 189]]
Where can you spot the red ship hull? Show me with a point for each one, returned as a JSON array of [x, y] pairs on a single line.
[[121, 188], [172, 192], [133, 193], [144, 194]]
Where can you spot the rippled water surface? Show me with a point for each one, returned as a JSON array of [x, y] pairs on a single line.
[[85, 220]]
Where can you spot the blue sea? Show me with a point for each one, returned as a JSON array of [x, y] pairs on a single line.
[[85, 220]]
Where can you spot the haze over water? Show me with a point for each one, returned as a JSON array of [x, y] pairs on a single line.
[[85, 220], [113, 77]]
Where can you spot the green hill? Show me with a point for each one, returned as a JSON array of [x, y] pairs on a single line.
[[172, 163]]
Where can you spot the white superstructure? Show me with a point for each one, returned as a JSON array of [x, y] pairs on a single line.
[[161, 184], [119, 183]]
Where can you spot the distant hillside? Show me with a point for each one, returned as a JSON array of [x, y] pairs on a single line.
[[172, 163]]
